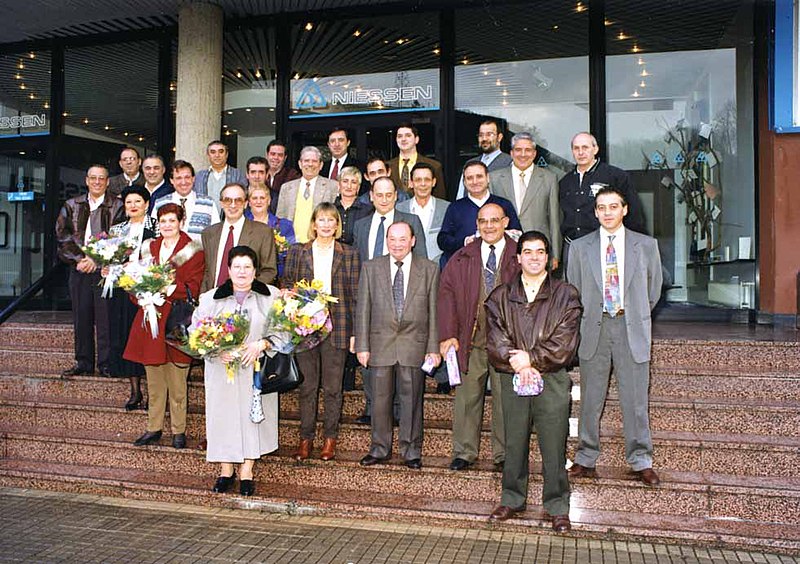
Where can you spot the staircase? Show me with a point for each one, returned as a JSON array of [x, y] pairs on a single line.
[[725, 417]]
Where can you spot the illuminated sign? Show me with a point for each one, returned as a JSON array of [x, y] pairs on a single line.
[[23, 122]]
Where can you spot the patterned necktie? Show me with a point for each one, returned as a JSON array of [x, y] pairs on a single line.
[[335, 170], [223, 275], [490, 272], [307, 193], [183, 206], [521, 190], [397, 290], [404, 175], [611, 301], [377, 251]]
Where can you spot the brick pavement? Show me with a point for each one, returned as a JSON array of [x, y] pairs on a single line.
[[38, 526]]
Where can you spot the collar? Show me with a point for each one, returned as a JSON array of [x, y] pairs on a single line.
[[223, 171], [478, 202], [236, 225], [527, 171], [226, 290], [590, 169], [619, 234], [134, 179], [491, 156], [517, 293]]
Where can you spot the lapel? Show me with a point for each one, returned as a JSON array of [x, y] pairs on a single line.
[[503, 185], [246, 235], [594, 249], [631, 258], [308, 260], [215, 232], [385, 273], [533, 186], [415, 280], [337, 261]]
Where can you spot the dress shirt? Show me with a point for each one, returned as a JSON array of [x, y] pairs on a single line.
[[216, 182], [424, 213], [323, 265], [130, 180], [93, 205], [188, 205], [499, 247], [532, 288], [373, 230], [519, 191], [406, 272], [154, 188], [223, 237], [480, 202], [619, 249]]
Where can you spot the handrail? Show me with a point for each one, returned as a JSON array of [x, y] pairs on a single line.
[[29, 292]]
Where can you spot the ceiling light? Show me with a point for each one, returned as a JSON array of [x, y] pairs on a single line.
[[18, 76], [437, 51], [485, 72], [635, 49], [20, 66], [46, 106], [555, 28], [505, 92], [32, 55], [498, 82], [644, 73], [31, 96], [580, 7], [297, 76], [608, 22], [248, 110], [141, 138], [258, 73], [238, 74], [230, 112], [85, 121], [357, 33], [465, 61], [106, 128], [22, 86], [635, 94], [309, 26], [642, 84], [621, 36]]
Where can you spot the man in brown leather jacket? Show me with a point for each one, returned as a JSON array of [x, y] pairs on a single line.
[[533, 324], [81, 218]]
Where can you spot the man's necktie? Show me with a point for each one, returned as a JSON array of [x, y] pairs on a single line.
[[223, 275], [521, 189], [377, 250], [405, 175], [269, 181], [397, 290], [183, 206], [307, 192], [611, 301], [335, 170], [490, 272]]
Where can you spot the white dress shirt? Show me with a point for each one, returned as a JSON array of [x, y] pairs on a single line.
[[619, 248], [237, 233], [406, 272], [93, 205], [424, 213], [373, 231], [499, 247]]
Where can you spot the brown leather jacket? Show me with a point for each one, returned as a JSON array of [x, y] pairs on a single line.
[[548, 327], [73, 219]]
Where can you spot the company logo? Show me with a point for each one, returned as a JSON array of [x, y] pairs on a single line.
[[311, 97], [23, 122]]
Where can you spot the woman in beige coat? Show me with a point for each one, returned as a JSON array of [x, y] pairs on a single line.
[[232, 437]]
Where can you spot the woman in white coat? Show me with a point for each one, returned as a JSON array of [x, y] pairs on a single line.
[[232, 437]]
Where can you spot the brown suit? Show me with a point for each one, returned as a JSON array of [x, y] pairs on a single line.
[[255, 235], [397, 348], [439, 191]]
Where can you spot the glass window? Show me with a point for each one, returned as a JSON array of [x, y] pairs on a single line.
[[531, 73], [681, 122], [25, 94]]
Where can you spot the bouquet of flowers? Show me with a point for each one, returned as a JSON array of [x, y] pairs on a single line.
[[213, 335], [111, 252], [281, 243], [149, 282], [301, 317]]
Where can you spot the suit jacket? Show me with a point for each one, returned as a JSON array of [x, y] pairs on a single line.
[[255, 235], [117, 183], [642, 289], [361, 234], [350, 161], [503, 160], [440, 190], [344, 285], [325, 190], [432, 231], [540, 209], [286, 174], [378, 331], [231, 175]]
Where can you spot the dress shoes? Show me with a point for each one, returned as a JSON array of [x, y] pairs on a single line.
[[504, 512], [179, 440], [414, 463], [370, 460], [76, 371], [561, 523], [648, 476], [247, 487], [224, 483], [303, 449], [149, 438], [328, 449], [460, 464], [364, 420], [578, 471], [134, 402]]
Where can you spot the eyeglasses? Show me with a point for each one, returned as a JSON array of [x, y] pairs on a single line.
[[490, 220], [232, 201]]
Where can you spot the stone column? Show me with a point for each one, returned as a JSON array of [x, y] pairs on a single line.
[[199, 100]]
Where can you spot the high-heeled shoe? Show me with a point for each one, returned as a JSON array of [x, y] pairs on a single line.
[[134, 402], [224, 483]]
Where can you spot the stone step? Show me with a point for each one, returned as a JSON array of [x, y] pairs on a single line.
[[733, 454], [680, 494]]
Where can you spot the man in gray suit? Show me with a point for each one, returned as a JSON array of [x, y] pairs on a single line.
[[429, 209], [489, 139], [618, 274], [533, 190], [395, 334], [299, 197]]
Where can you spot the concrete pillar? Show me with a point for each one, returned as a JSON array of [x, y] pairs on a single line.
[[199, 101]]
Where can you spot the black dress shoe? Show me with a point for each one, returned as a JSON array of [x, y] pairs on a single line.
[[460, 464], [247, 487], [104, 372], [414, 463], [443, 388], [76, 371], [134, 402], [364, 420], [370, 460], [179, 440], [148, 438], [224, 483]]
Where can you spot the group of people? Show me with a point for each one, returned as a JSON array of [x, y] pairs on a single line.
[[508, 279]]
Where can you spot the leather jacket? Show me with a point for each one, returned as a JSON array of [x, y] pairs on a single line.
[[73, 219], [548, 327]]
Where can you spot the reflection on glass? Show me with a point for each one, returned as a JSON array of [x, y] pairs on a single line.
[[25, 94]]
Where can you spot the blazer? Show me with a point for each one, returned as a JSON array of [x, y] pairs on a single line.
[[344, 285], [255, 235], [349, 161], [389, 340], [439, 191], [231, 175], [540, 209], [432, 231], [325, 190], [361, 234], [502, 160], [286, 174], [642, 290], [118, 182]]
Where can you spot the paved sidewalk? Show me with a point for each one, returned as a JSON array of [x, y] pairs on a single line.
[[38, 526]]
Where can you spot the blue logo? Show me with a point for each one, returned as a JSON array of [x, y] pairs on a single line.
[[542, 163], [311, 97]]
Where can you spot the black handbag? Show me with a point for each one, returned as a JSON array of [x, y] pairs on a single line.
[[180, 317], [278, 374]]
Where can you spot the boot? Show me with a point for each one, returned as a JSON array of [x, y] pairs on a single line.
[[135, 401]]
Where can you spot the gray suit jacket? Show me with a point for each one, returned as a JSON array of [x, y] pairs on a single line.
[[432, 232], [378, 331], [255, 235], [540, 209], [642, 290], [361, 234], [325, 190]]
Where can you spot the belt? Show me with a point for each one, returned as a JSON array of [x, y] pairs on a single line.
[[620, 313]]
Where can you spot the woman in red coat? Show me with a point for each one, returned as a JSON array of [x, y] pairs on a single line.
[[166, 367]]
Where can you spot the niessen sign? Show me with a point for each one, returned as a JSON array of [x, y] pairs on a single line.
[[23, 122]]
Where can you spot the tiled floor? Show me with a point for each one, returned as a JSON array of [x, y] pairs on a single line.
[[37, 526]]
